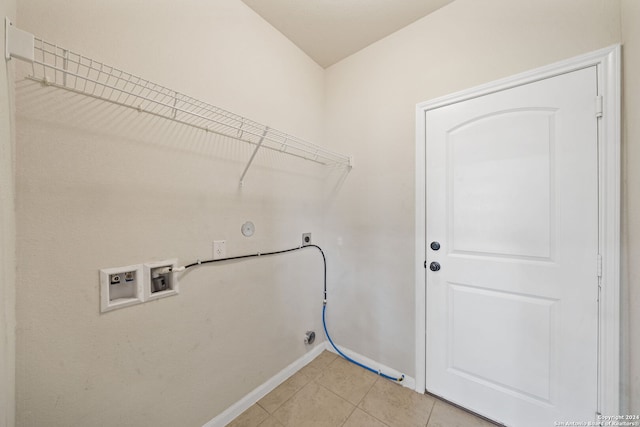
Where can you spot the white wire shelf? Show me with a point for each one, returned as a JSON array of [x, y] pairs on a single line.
[[55, 66]]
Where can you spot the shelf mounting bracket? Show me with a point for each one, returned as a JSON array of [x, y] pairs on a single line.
[[18, 43], [253, 155]]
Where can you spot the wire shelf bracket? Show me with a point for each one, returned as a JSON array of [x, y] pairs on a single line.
[[55, 66]]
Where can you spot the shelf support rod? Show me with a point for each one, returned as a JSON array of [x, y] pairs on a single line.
[[85, 76], [65, 66], [255, 151]]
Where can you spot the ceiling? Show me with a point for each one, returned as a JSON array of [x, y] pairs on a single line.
[[331, 30]]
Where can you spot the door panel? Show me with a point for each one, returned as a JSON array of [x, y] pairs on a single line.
[[476, 356], [512, 197], [484, 158]]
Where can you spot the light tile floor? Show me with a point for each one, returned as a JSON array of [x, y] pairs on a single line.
[[331, 392]]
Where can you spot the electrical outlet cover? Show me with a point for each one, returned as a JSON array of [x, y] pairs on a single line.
[[219, 249]]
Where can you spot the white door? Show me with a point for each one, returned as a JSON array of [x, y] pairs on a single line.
[[512, 200]]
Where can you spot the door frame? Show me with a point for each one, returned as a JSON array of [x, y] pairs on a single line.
[[607, 61]]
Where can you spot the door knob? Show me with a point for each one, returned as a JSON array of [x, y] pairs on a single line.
[[435, 246], [434, 266]]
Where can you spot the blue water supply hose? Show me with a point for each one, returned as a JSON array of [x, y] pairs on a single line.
[[355, 362], [324, 301]]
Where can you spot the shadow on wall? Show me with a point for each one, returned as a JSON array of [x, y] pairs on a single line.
[[76, 111]]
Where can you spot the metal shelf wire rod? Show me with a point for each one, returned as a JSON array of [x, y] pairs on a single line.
[[62, 68]]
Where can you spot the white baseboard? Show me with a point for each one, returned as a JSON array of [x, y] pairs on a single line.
[[259, 392], [262, 390], [408, 382]]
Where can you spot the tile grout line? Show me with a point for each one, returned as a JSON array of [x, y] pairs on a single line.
[[334, 393], [286, 400], [375, 379], [431, 412], [308, 380], [265, 409], [367, 392], [295, 392], [365, 395], [355, 406], [299, 389], [350, 414], [331, 391]]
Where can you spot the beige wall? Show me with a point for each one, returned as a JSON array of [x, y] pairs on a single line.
[[99, 186], [7, 233], [370, 107]]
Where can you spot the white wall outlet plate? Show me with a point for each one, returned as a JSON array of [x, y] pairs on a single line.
[[219, 249], [159, 284], [121, 287]]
